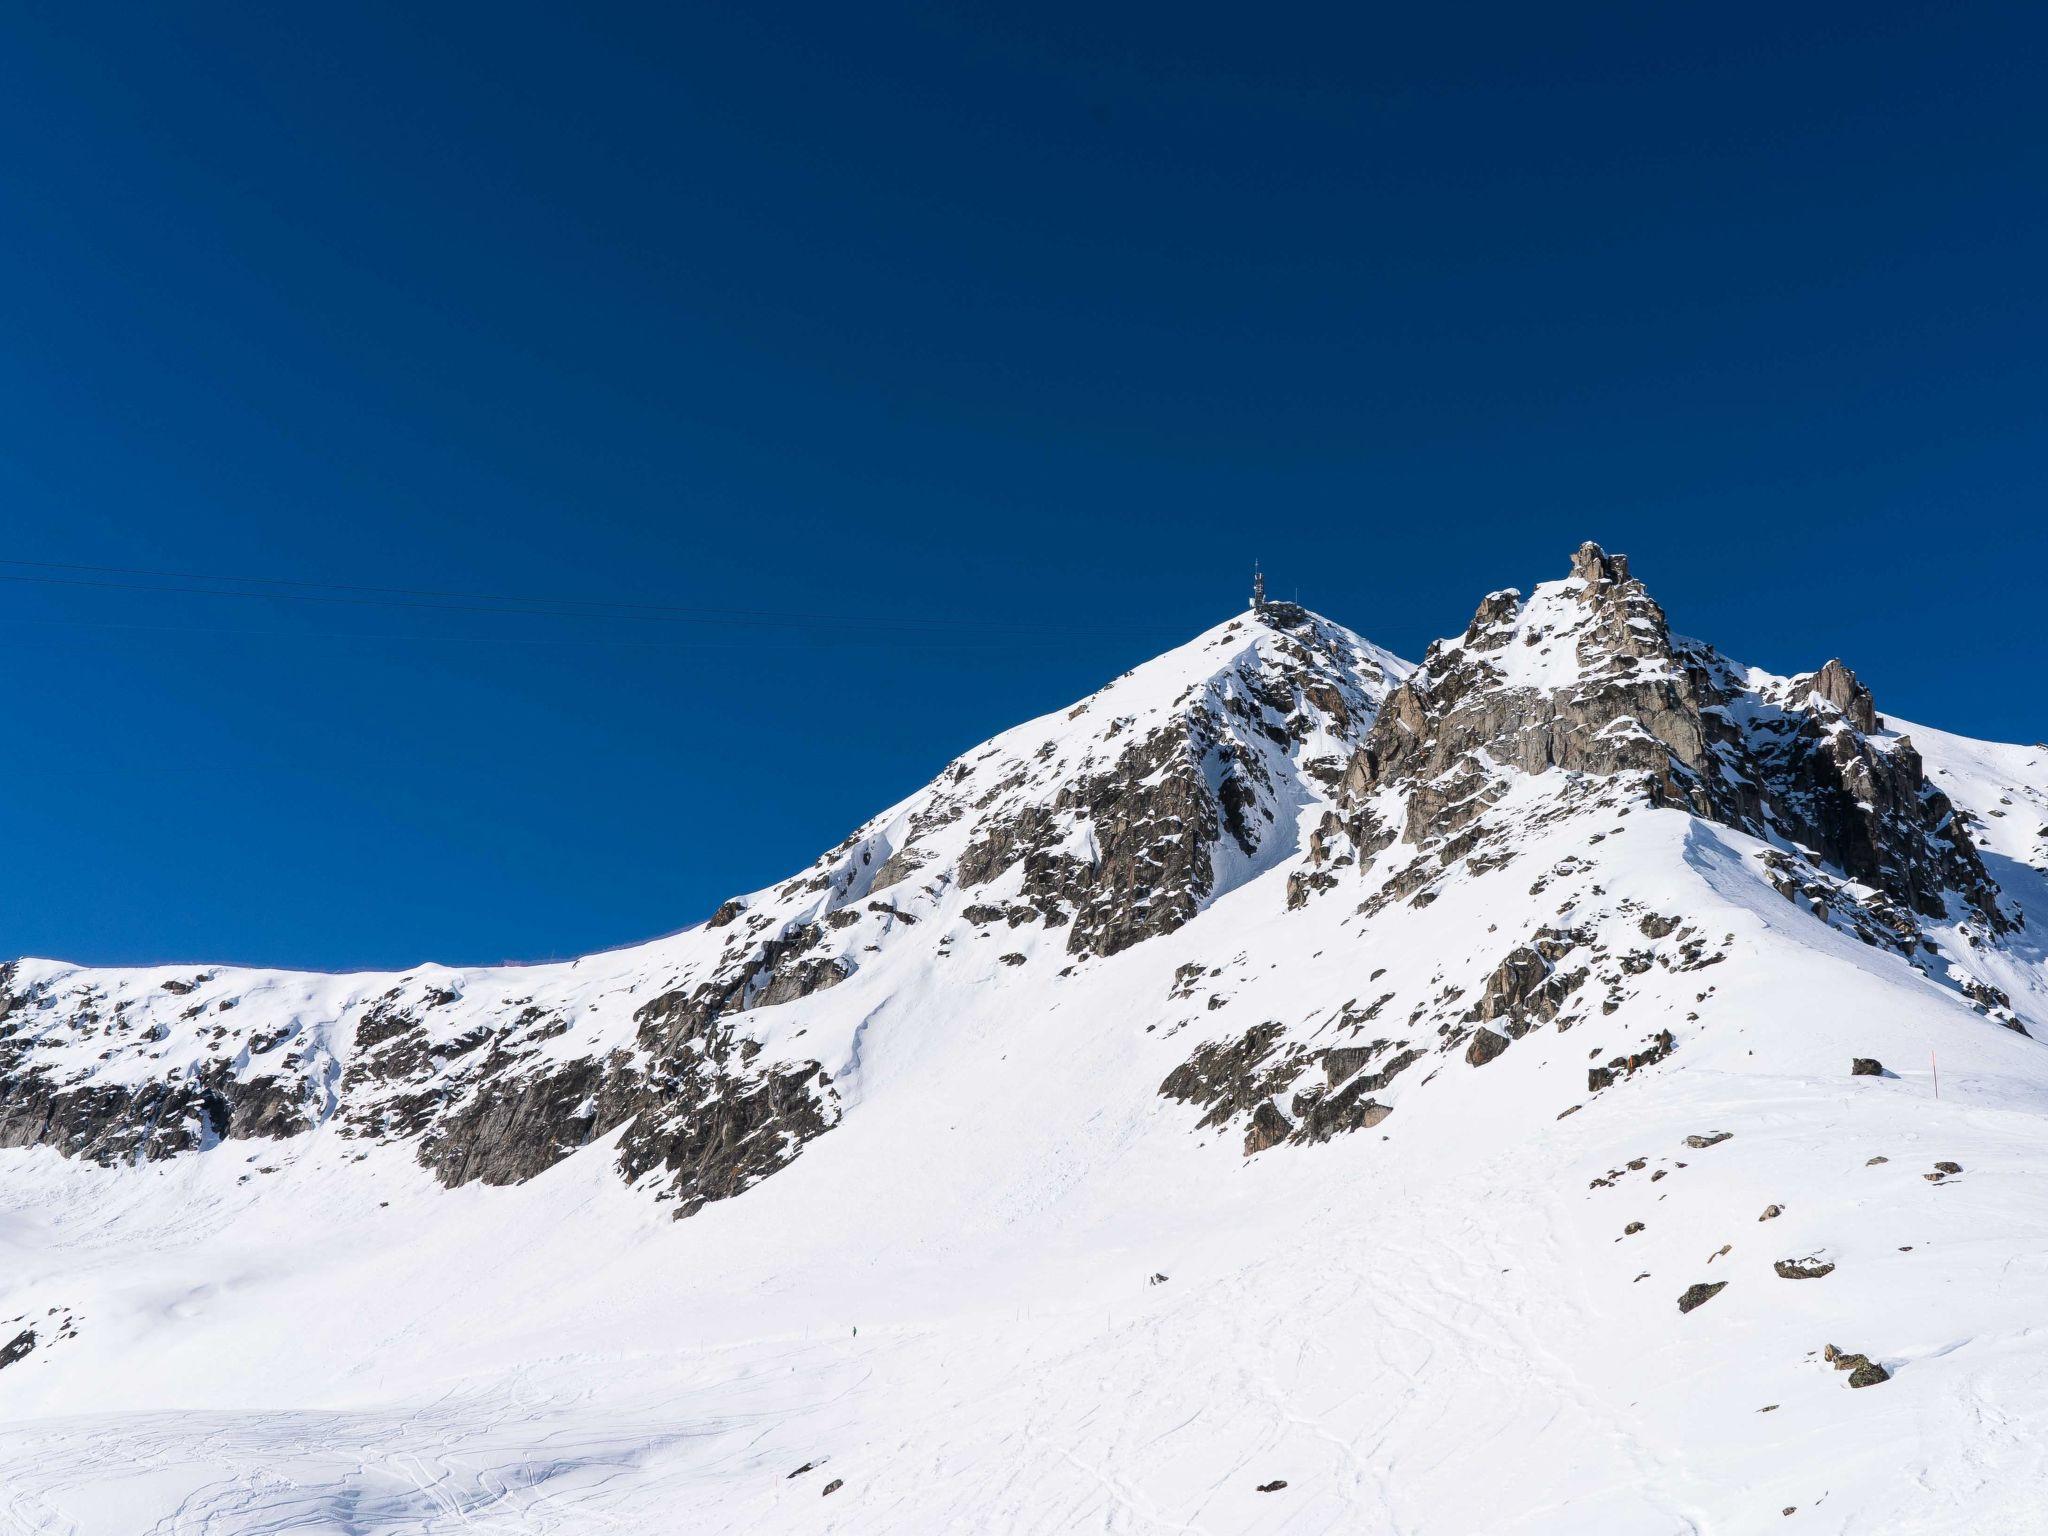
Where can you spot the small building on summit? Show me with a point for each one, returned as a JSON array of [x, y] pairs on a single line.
[[1273, 610]]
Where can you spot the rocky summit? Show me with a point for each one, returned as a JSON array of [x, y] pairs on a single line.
[[1244, 1100]]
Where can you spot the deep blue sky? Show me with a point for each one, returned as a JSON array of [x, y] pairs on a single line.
[[1011, 335]]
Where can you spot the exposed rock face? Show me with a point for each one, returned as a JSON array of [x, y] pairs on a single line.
[[1278, 740], [17, 1348], [1234, 1077], [1586, 678], [695, 1107], [1484, 1047], [1268, 1128], [1858, 798], [1619, 1067], [1247, 1079], [514, 1127], [1148, 866], [1528, 988], [1098, 829], [1863, 1371], [485, 1101], [1585, 682], [1124, 847], [118, 1123], [1699, 1295], [1579, 703], [705, 1116], [1802, 1269], [1838, 686]]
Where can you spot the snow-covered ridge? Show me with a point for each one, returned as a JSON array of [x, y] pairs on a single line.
[[1247, 1100], [1257, 748], [1080, 834]]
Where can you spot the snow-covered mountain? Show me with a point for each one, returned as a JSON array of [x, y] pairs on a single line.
[[1288, 1090]]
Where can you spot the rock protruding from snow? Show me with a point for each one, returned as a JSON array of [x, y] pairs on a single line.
[[1112, 822], [1586, 678], [1184, 788], [134, 1119]]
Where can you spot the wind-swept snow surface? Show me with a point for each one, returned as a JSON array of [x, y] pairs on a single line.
[[1290, 1091]]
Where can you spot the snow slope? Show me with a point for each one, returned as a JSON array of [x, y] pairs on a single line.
[[1003, 1281]]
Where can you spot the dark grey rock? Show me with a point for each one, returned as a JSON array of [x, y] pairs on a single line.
[[1268, 1129], [110, 1124], [1700, 1295], [1802, 1269], [1807, 763], [1485, 1046], [1618, 1067], [1863, 1371], [17, 1348], [1231, 1078], [1527, 988], [1159, 813]]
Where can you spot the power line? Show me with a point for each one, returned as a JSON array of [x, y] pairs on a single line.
[[494, 601], [513, 605], [692, 643]]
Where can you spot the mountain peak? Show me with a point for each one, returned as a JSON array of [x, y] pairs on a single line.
[[1586, 677], [1122, 815], [1594, 566], [1840, 687], [1470, 954]]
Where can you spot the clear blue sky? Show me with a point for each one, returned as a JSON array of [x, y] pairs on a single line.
[[1009, 334]]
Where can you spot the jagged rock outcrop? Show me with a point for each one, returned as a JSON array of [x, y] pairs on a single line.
[[703, 1113], [110, 1123], [1145, 867], [1485, 1046], [1836, 784], [694, 1105], [18, 1348], [1248, 1078], [1528, 987], [1581, 697], [1277, 741], [1125, 847], [1586, 678], [479, 1093], [1098, 829], [1583, 680], [1699, 1295]]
